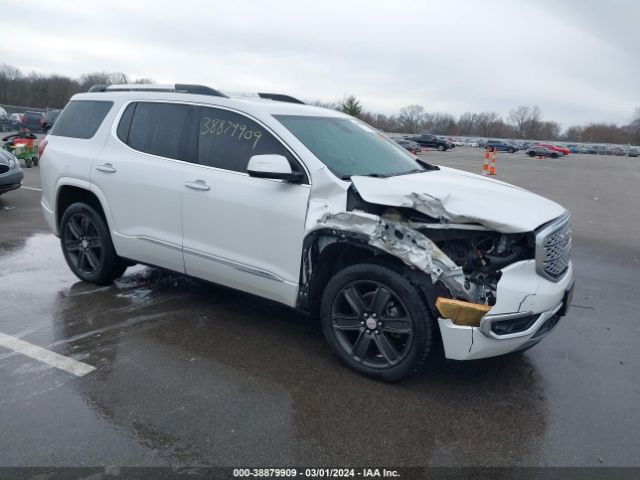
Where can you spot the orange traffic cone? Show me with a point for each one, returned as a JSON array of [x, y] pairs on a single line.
[[485, 167], [492, 170]]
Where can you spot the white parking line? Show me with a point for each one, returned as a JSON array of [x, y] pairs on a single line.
[[67, 364], [32, 188]]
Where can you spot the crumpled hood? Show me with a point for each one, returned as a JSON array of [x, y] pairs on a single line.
[[460, 197]]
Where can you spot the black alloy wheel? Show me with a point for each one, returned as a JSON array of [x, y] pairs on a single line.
[[82, 243], [376, 322], [372, 324], [87, 246]]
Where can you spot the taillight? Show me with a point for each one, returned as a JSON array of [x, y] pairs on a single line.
[[41, 121], [24, 120], [41, 148]]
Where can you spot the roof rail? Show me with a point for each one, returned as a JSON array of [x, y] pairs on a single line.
[[280, 97], [178, 87]]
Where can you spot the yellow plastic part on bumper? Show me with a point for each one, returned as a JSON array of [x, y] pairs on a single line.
[[462, 313]]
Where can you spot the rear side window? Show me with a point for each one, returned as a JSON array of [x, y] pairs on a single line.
[[164, 129], [228, 140], [125, 123], [81, 118]]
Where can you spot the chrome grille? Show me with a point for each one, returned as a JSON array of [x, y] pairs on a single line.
[[553, 248]]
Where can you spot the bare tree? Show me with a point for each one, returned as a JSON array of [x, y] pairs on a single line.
[[443, 124], [534, 123], [8, 78], [467, 123], [574, 133], [549, 130], [412, 118], [519, 118], [489, 124], [329, 105], [634, 127]]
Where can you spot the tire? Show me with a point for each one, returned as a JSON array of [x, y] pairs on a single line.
[[441, 148], [350, 319], [511, 150], [35, 161], [28, 162], [554, 155], [531, 154], [87, 246]]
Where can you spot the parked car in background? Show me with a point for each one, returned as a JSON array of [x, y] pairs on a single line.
[[409, 145], [633, 152], [470, 142], [573, 148], [431, 141], [555, 148], [33, 121], [50, 117], [501, 146], [583, 149], [15, 121], [617, 151], [540, 151], [10, 172], [4, 120]]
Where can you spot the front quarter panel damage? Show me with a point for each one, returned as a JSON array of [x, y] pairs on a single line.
[[403, 242]]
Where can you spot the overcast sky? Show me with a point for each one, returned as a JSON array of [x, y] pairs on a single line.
[[578, 60]]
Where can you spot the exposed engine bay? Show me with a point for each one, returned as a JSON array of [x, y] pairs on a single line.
[[466, 258], [482, 254]]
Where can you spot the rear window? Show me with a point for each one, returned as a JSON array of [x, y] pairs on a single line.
[[81, 118]]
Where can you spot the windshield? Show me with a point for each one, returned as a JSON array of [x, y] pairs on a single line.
[[350, 147]]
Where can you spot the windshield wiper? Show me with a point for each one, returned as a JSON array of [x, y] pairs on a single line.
[[415, 170], [374, 175]]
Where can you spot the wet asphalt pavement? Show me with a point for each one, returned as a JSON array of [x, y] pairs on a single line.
[[188, 373]]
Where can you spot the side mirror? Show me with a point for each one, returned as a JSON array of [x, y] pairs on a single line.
[[273, 166], [47, 126]]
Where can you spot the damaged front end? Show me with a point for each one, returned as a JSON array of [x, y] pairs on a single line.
[[462, 261]]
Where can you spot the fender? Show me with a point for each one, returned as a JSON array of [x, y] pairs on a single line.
[[85, 185]]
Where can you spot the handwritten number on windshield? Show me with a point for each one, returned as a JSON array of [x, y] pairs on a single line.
[[217, 126]]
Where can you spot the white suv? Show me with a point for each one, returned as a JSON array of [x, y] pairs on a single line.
[[311, 208]]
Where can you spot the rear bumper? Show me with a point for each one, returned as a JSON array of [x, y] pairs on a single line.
[[528, 308], [49, 216]]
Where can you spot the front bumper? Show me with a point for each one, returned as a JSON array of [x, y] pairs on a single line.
[[528, 307], [11, 181]]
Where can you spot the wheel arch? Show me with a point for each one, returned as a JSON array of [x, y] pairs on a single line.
[[327, 251], [69, 192]]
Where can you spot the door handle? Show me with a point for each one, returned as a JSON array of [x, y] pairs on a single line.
[[197, 185], [106, 168]]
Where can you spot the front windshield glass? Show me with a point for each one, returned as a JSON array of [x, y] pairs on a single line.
[[350, 147]]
